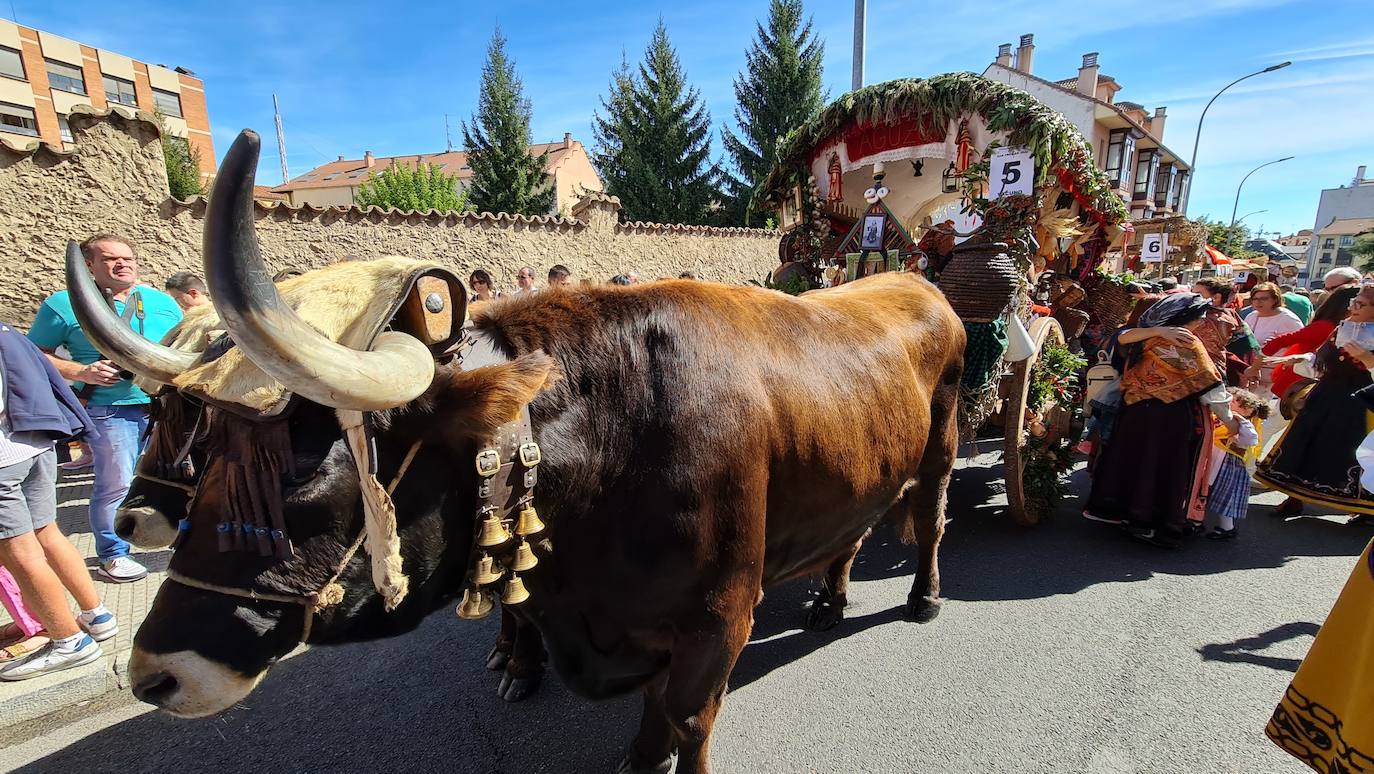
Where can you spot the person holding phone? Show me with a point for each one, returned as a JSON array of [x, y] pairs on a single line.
[[117, 407]]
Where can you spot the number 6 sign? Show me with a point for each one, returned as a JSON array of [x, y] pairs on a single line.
[[1011, 171], [1153, 247]]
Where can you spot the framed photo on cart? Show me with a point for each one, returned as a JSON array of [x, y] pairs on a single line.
[[872, 236]]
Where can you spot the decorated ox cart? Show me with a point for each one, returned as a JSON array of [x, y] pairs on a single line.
[[994, 197]]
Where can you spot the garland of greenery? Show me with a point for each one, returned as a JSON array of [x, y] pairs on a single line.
[[1058, 146], [1054, 379]]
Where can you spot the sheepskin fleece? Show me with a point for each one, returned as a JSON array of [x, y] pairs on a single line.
[[347, 302]]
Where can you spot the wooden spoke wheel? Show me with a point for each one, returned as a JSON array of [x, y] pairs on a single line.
[[1041, 330]]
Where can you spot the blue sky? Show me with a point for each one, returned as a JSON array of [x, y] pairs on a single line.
[[355, 76]]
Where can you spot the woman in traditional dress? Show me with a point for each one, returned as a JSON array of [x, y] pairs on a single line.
[[1314, 462], [1145, 477]]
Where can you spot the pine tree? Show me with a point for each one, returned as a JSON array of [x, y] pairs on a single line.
[[422, 187], [183, 164], [505, 177], [780, 89], [653, 140]]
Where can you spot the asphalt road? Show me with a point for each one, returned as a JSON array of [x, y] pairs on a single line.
[[1061, 649]]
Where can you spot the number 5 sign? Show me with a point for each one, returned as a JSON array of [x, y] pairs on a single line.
[[1153, 247], [1011, 171]]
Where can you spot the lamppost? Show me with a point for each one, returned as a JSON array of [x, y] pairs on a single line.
[[1192, 162], [1242, 218], [1247, 177]]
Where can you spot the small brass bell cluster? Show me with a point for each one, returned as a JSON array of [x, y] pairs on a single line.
[[496, 537], [476, 604]]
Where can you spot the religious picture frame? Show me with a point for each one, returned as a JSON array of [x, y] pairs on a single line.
[[872, 236]]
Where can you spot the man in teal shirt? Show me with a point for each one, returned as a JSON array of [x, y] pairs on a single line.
[[1297, 303], [119, 409]]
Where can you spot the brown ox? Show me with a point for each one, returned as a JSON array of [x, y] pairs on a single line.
[[699, 443]]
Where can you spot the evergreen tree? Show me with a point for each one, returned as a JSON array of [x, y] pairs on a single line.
[[653, 140], [422, 187], [183, 164], [780, 89], [505, 177]]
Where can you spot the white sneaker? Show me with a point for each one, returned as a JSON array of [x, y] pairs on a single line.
[[50, 659], [121, 569], [101, 627]]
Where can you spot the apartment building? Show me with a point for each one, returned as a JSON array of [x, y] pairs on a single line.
[[1127, 140], [42, 76], [1343, 213]]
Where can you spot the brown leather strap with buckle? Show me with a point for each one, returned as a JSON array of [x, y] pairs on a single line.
[[507, 469]]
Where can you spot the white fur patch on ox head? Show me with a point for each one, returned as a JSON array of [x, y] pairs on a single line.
[[145, 527]]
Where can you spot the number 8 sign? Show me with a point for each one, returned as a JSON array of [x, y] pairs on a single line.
[[1011, 171], [1153, 247]]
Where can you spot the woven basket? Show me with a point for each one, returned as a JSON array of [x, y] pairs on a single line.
[[979, 281], [1073, 321], [1067, 293], [1110, 304]]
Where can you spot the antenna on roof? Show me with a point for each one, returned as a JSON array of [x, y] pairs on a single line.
[[447, 136], [281, 138]]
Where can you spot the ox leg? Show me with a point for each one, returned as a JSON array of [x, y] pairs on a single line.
[[698, 674], [499, 654], [926, 504], [652, 750], [525, 668], [827, 609]]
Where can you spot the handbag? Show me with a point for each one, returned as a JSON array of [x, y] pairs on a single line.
[[1295, 397]]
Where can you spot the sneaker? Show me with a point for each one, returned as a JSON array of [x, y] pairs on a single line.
[[121, 569], [50, 659], [78, 464], [1101, 519], [101, 627]]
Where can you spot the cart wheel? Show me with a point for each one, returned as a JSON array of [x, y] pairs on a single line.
[[1014, 460]]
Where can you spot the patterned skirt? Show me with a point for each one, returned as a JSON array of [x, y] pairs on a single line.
[[1230, 492], [1315, 461], [1326, 717]]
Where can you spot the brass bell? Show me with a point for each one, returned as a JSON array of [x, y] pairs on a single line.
[[476, 604], [494, 532], [515, 592], [524, 558], [488, 571], [528, 522]]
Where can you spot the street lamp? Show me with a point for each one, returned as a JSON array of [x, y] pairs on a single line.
[[1192, 162], [1247, 177], [1243, 217]]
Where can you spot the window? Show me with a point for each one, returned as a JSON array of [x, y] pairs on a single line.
[[120, 91], [168, 103], [1328, 243], [1120, 149], [1326, 257], [66, 77], [18, 119], [1165, 187], [11, 64], [64, 129], [1347, 240], [1146, 169], [1181, 200], [1343, 259]]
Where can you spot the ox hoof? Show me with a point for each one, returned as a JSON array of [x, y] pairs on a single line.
[[497, 659], [824, 616], [922, 609], [513, 689], [628, 766]]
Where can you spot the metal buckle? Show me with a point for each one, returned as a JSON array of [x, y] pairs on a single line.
[[488, 463], [529, 454]]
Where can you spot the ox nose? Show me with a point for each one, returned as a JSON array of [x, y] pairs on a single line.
[[124, 525], [156, 688]]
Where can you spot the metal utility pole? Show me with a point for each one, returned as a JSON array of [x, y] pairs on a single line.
[[860, 11], [281, 138], [1192, 162], [1235, 206], [448, 137]]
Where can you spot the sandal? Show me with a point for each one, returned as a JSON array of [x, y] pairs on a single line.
[[24, 648], [1222, 534]]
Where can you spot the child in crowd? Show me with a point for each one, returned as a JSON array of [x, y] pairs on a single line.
[[1237, 444]]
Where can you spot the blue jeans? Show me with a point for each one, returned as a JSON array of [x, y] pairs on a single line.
[[114, 454]]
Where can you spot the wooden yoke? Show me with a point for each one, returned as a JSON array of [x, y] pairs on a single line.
[[434, 310]]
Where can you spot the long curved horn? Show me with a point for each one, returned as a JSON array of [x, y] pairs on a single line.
[[111, 335], [397, 369]]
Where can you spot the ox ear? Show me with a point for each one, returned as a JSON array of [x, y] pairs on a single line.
[[475, 403]]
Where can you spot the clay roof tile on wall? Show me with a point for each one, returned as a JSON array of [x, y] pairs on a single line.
[[349, 172]]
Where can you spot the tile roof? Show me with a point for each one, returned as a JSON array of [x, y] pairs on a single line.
[[351, 172], [1343, 226]]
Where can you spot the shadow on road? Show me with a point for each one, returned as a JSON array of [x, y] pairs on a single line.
[[424, 702]]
